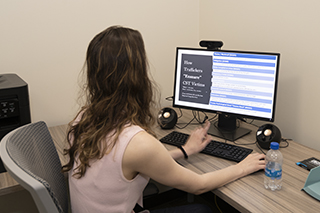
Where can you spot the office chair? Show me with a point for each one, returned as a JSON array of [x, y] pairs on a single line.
[[31, 158]]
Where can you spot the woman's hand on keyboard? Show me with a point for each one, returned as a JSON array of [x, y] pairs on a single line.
[[198, 139]]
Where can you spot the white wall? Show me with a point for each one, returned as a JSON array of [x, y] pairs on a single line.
[[45, 42], [290, 27]]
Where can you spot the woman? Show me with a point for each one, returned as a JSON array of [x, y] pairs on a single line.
[[113, 151]]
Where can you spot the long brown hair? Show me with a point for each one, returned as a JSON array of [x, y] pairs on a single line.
[[119, 92]]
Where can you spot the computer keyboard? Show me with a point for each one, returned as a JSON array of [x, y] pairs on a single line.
[[214, 148]]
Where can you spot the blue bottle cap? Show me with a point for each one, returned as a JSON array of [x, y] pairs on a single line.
[[274, 145]]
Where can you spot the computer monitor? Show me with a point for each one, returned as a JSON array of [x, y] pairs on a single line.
[[233, 84]]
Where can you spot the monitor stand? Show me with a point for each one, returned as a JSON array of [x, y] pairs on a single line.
[[227, 128]]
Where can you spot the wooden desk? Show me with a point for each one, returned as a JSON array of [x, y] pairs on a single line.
[[246, 194]]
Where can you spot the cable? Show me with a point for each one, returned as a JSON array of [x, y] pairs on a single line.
[[185, 125], [196, 116], [180, 113], [285, 141], [244, 143], [260, 148], [170, 98], [213, 118], [215, 201]]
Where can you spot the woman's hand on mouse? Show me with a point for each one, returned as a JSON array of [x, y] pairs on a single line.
[[252, 163]]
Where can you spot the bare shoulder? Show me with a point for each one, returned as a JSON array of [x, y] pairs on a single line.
[[144, 144], [144, 150]]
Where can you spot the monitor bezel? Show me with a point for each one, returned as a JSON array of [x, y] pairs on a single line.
[[272, 119]]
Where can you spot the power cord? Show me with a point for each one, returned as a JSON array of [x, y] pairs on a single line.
[[216, 203], [196, 116], [260, 148], [285, 140]]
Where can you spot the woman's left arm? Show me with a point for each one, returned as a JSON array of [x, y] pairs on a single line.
[[197, 141]]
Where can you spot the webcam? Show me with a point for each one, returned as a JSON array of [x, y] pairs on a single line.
[[211, 45]]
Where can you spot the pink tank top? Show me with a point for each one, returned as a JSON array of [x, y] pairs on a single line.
[[104, 188]]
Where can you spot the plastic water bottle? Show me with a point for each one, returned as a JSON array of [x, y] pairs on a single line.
[[273, 170]]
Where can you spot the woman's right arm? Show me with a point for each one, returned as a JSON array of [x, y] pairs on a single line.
[[148, 156]]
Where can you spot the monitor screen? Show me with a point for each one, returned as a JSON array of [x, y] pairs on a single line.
[[230, 83]]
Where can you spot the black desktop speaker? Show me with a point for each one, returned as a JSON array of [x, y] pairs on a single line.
[[167, 118], [266, 134]]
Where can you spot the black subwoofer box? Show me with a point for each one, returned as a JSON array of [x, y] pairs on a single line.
[[14, 105]]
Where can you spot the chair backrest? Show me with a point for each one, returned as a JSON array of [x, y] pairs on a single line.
[[31, 158]]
